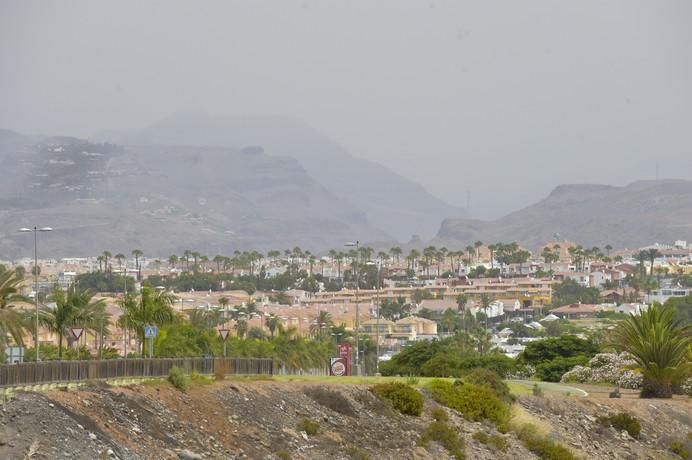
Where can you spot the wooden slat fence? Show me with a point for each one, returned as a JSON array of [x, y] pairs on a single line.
[[76, 371]]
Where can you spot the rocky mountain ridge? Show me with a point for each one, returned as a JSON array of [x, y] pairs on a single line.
[[593, 215]]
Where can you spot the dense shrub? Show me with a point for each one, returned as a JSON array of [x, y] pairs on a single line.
[[440, 432], [612, 368], [680, 449], [330, 399], [497, 441], [557, 347], [474, 402], [541, 446], [177, 378], [490, 379], [444, 358], [622, 421], [553, 370], [310, 427], [403, 398], [439, 414]]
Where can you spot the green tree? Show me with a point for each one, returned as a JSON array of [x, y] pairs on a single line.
[[240, 328], [73, 308], [569, 291], [548, 349], [137, 254], [150, 307], [660, 345], [320, 326], [120, 258], [272, 322], [12, 322], [462, 300], [107, 256]]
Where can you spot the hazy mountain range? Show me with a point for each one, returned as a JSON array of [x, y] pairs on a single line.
[[639, 214], [396, 205], [163, 191], [217, 184]]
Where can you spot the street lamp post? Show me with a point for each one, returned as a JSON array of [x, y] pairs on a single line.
[[35, 230], [356, 244]]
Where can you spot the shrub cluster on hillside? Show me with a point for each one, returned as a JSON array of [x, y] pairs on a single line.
[[553, 357], [403, 398], [452, 357], [474, 402], [612, 368]]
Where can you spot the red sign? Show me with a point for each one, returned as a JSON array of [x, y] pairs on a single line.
[[223, 333], [342, 362], [344, 349]]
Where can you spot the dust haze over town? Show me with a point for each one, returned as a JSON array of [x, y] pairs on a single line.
[[501, 102], [327, 229]]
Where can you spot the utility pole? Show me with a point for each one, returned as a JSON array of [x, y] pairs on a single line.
[[355, 274], [35, 229]]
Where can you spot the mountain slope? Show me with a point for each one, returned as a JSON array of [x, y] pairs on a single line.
[[167, 199], [593, 215], [397, 205]]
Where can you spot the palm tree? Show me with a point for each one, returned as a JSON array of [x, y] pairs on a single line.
[[137, 253], [660, 345], [462, 300], [272, 322], [485, 305], [120, 258], [241, 327], [173, 260], [492, 248], [396, 253], [100, 260], [74, 308], [322, 323], [12, 322], [150, 307], [478, 245], [339, 258], [106, 257], [651, 255], [186, 255]]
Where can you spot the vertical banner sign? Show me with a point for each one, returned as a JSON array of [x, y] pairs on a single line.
[[343, 351]]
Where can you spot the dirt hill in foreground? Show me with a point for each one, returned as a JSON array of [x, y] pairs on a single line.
[[260, 420]]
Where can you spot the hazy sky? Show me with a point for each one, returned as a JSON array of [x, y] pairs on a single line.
[[505, 99]]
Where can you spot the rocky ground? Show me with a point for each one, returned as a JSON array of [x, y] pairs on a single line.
[[238, 419]]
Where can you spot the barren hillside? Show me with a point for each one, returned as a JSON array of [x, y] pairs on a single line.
[[261, 420]]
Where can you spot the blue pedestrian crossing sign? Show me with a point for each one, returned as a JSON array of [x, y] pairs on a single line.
[[150, 331]]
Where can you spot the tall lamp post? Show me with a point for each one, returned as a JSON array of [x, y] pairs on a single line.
[[377, 309], [35, 230], [356, 244]]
